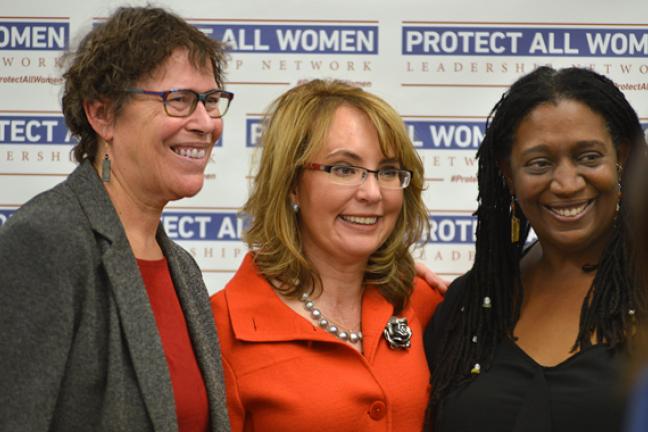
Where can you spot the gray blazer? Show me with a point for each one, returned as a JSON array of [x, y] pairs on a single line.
[[79, 347]]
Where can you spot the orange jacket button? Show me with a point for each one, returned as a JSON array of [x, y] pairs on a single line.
[[377, 410]]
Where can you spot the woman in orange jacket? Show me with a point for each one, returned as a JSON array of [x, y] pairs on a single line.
[[321, 327]]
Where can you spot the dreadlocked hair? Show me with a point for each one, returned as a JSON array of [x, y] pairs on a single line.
[[496, 270]]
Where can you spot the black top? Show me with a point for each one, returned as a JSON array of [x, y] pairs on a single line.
[[582, 393]]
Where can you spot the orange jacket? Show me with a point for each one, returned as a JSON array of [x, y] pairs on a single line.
[[283, 373]]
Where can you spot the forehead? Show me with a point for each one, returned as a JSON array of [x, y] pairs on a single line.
[[352, 130], [561, 124], [180, 71]]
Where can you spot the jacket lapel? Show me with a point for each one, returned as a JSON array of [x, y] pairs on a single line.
[[194, 299], [137, 320]]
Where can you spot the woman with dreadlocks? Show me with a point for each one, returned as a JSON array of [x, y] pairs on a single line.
[[532, 337]]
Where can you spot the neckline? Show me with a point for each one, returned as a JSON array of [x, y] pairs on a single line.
[[564, 363], [151, 263]]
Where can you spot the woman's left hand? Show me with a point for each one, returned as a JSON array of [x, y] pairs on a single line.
[[423, 271]]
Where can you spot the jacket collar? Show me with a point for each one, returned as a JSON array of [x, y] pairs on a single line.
[[95, 202], [258, 315]]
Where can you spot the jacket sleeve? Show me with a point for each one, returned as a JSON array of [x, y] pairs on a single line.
[[37, 319]]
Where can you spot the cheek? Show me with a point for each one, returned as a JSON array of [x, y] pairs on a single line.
[[218, 130], [609, 181], [394, 204], [166, 128], [530, 188]]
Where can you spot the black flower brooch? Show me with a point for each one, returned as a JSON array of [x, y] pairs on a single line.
[[397, 333]]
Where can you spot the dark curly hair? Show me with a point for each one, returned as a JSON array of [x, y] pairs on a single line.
[[129, 46], [496, 270]]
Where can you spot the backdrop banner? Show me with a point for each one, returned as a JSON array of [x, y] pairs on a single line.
[[441, 64]]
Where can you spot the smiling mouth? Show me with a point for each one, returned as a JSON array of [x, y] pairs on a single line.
[[573, 211], [359, 220], [190, 152]]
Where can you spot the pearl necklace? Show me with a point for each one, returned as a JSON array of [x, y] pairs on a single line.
[[323, 322]]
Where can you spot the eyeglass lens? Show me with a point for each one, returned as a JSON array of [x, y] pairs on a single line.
[[387, 177], [182, 103]]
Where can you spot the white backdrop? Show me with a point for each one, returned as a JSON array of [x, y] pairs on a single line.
[[442, 64]]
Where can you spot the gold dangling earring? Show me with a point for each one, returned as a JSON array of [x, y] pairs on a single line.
[[515, 223]]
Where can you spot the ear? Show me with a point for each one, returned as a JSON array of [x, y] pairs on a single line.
[[505, 169], [622, 153], [100, 116], [293, 196]]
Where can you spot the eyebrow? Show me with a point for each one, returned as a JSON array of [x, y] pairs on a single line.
[[356, 158], [579, 145]]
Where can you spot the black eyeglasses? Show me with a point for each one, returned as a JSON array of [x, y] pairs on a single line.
[[350, 175], [183, 102]]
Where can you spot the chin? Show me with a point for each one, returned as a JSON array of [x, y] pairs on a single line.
[[187, 191]]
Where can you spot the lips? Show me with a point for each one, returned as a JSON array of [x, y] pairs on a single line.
[[360, 220], [570, 211], [190, 152]]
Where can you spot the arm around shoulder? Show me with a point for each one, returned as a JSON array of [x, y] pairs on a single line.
[[425, 299]]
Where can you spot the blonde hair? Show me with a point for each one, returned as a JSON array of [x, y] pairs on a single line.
[[295, 128]]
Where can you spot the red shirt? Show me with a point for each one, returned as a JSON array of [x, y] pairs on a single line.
[[192, 408]]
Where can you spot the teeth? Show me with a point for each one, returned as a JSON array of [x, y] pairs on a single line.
[[361, 220], [192, 153], [569, 212]]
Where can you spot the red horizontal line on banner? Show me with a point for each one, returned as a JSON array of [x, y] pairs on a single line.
[[450, 211], [221, 271], [201, 208], [455, 85], [34, 17], [529, 23], [256, 83], [35, 174], [29, 111], [269, 20], [443, 116]]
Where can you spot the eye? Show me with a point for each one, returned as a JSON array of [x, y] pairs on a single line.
[[344, 170], [538, 165], [213, 98], [389, 173], [180, 97], [590, 158]]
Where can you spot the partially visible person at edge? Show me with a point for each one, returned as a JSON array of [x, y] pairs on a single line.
[[321, 327], [533, 337], [637, 375], [106, 322]]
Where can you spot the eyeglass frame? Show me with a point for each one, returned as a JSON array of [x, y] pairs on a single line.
[[328, 168], [200, 97]]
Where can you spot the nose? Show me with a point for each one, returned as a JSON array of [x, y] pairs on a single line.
[[370, 190], [200, 122], [567, 180]]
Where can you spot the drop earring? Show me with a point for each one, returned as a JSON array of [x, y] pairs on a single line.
[[295, 207], [515, 223], [105, 169]]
